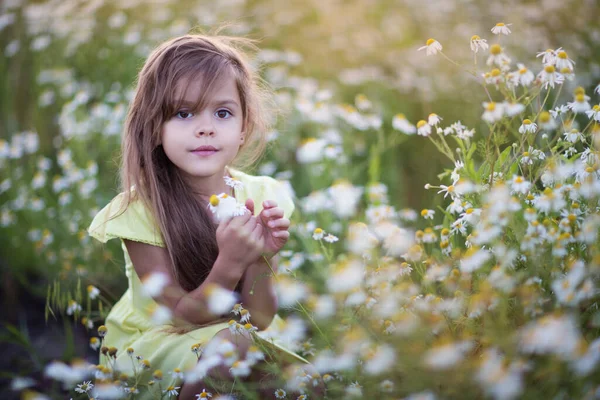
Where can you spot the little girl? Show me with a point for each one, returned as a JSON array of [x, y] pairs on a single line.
[[197, 111]]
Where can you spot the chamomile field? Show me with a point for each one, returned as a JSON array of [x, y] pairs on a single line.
[[442, 159]]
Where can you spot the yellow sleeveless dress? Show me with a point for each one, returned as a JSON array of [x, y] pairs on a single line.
[[129, 322]]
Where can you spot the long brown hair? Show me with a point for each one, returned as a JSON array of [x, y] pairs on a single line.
[[187, 229]]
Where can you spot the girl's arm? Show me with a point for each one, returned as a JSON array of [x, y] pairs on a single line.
[[258, 293], [240, 244]]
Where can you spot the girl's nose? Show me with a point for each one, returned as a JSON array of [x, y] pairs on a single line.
[[205, 127], [205, 132]]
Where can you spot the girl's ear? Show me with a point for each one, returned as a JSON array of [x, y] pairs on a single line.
[[243, 137]]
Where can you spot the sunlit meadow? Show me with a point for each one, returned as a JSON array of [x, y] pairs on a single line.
[[442, 157]]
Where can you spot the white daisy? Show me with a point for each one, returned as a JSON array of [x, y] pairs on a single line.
[[154, 283], [550, 77], [318, 234], [172, 391], [423, 128], [401, 124], [431, 47], [234, 183], [220, 300], [548, 56], [594, 113], [433, 119], [93, 291], [573, 136], [527, 127], [580, 104], [546, 121], [526, 77], [501, 28], [520, 184], [203, 395], [427, 214], [240, 368], [73, 307], [478, 43], [559, 110], [511, 109], [84, 387], [224, 207], [563, 61], [498, 57], [493, 112], [330, 238]]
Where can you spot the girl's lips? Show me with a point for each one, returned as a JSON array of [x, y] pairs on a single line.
[[204, 153]]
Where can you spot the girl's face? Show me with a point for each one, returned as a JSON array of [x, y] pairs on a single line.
[[202, 143]]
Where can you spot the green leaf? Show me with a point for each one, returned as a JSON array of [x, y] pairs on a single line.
[[503, 158]]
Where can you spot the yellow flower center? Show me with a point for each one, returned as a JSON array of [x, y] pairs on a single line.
[[400, 116], [549, 69], [318, 231], [578, 90], [563, 55], [580, 98], [475, 37], [500, 24], [421, 123], [424, 212], [495, 49], [430, 42], [445, 231], [544, 116], [596, 107], [526, 122], [519, 179], [214, 200], [565, 70], [348, 108], [470, 211], [523, 71], [496, 72], [491, 106]]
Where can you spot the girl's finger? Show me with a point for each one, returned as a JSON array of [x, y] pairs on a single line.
[[250, 225], [281, 223], [281, 234], [239, 221], [257, 232], [250, 206], [269, 204], [273, 213]]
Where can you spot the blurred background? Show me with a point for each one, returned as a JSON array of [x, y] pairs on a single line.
[[67, 72]]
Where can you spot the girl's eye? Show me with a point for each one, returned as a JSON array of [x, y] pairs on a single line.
[[184, 114], [223, 114]]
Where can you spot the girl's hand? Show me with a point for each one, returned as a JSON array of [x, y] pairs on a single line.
[[241, 240], [275, 226]]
